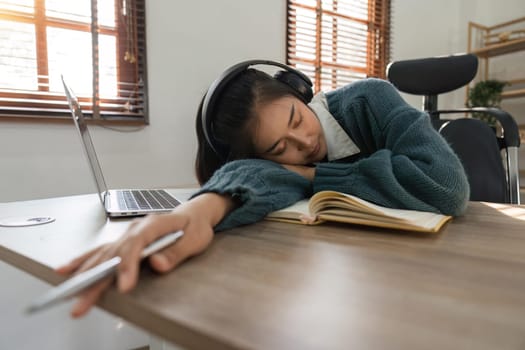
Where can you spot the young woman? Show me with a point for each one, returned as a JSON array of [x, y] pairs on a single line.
[[264, 144]]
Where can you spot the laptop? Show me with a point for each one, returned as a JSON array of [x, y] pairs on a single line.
[[122, 202]]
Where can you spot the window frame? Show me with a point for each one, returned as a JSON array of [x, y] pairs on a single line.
[[378, 41], [47, 106]]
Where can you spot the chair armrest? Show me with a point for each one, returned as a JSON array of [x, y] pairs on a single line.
[[511, 132]]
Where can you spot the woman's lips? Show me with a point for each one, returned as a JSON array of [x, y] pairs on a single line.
[[314, 152]]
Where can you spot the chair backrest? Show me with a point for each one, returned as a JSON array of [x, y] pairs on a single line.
[[477, 144], [432, 76]]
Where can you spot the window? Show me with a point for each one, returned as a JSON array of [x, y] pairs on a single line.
[[336, 42], [97, 45]]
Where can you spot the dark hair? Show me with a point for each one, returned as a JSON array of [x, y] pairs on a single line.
[[233, 119]]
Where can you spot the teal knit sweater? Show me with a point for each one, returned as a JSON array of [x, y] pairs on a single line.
[[403, 163]]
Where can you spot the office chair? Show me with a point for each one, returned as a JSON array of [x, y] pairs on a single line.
[[477, 144]]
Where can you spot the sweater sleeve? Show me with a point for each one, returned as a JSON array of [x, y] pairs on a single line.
[[405, 163], [259, 186]]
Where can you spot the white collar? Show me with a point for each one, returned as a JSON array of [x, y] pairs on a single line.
[[339, 144]]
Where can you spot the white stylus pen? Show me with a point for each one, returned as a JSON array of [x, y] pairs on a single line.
[[85, 279]]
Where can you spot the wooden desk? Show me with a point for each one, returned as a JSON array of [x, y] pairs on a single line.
[[284, 286]]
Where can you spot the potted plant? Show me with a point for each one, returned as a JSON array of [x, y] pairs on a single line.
[[486, 93]]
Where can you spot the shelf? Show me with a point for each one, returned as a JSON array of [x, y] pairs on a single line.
[[500, 48], [513, 93]]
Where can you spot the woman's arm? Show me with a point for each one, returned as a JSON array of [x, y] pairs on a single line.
[[196, 218], [259, 187], [405, 163], [241, 192]]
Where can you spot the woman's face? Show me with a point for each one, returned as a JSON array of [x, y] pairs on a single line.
[[288, 132]]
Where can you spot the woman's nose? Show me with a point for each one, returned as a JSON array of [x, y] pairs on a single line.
[[302, 141]]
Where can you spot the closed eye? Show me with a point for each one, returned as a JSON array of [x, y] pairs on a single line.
[[279, 150], [297, 121]]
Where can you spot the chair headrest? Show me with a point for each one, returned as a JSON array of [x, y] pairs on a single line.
[[434, 75]]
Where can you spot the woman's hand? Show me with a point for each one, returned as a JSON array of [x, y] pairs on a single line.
[[303, 170], [196, 218]]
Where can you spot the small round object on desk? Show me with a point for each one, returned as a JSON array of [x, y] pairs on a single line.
[[25, 221]]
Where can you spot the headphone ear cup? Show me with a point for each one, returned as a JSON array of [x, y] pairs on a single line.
[[296, 82]]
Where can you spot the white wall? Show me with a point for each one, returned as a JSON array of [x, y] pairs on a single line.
[[423, 28]]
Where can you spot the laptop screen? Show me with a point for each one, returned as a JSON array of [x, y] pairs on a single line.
[[87, 144]]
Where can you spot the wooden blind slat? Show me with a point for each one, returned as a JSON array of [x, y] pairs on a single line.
[[335, 42], [34, 86]]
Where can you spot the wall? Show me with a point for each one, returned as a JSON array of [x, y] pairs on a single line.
[[441, 29]]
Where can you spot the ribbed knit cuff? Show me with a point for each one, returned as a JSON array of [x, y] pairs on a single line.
[[259, 186]]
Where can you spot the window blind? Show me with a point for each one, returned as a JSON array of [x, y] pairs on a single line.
[[336, 42], [97, 45]]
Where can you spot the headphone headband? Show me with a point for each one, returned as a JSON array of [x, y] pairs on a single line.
[[298, 81]]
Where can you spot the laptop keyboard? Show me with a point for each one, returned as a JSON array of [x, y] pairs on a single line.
[[146, 199]]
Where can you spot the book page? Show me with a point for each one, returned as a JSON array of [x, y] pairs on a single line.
[[294, 211], [345, 208], [335, 206], [432, 224]]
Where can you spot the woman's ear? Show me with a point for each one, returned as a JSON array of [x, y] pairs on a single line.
[[302, 88]]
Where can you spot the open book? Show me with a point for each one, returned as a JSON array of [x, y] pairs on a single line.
[[345, 208]]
